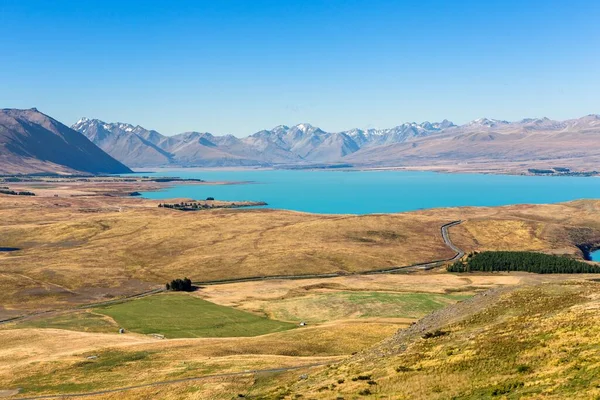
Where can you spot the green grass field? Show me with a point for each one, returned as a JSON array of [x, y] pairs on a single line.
[[325, 307], [178, 315]]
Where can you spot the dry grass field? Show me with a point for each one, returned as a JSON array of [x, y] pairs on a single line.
[[482, 350], [84, 249], [84, 246], [535, 342], [401, 298], [81, 249], [56, 361]]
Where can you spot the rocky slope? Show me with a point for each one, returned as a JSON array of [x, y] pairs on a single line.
[[32, 142]]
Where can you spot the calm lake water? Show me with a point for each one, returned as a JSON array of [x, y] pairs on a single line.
[[364, 192], [595, 255]]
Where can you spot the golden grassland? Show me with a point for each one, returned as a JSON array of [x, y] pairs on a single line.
[[55, 361], [89, 248], [83, 252], [50, 360], [82, 248], [533, 342], [250, 295]]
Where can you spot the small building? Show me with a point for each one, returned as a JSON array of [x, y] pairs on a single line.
[[121, 330]]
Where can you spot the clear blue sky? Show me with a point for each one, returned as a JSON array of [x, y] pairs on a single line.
[[228, 66]]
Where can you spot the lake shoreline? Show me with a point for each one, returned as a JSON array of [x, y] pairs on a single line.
[[386, 191], [441, 169]]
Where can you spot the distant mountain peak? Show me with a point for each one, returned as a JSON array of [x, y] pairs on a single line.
[[487, 122], [536, 121], [304, 126]]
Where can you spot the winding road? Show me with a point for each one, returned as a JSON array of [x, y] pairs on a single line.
[[446, 236]]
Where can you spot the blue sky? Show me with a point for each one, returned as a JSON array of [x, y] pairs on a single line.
[[228, 66]]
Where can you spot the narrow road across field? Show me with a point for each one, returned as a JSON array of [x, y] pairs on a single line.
[[390, 270]]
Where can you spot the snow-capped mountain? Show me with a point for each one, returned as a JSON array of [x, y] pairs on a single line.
[[306, 144], [132, 145], [398, 134], [140, 147], [486, 122]]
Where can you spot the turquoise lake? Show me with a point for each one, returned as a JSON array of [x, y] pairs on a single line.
[[365, 192], [595, 255]]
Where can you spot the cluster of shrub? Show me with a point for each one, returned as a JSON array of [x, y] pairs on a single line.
[[186, 206], [6, 190], [561, 171], [540, 171], [527, 261], [180, 285], [173, 179]]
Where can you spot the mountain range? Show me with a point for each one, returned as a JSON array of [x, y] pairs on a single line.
[[302, 143], [496, 145], [32, 142], [530, 141]]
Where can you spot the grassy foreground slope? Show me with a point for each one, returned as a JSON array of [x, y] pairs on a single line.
[[52, 361], [534, 342]]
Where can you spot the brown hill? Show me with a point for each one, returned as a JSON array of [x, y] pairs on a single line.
[[32, 142]]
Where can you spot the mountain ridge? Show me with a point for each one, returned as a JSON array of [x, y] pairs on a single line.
[[280, 145], [408, 144], [33, 142]]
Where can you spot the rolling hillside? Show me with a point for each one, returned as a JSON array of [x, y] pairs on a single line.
[[530, 341]]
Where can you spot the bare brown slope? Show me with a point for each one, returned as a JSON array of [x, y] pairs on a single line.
[[32, 142]]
